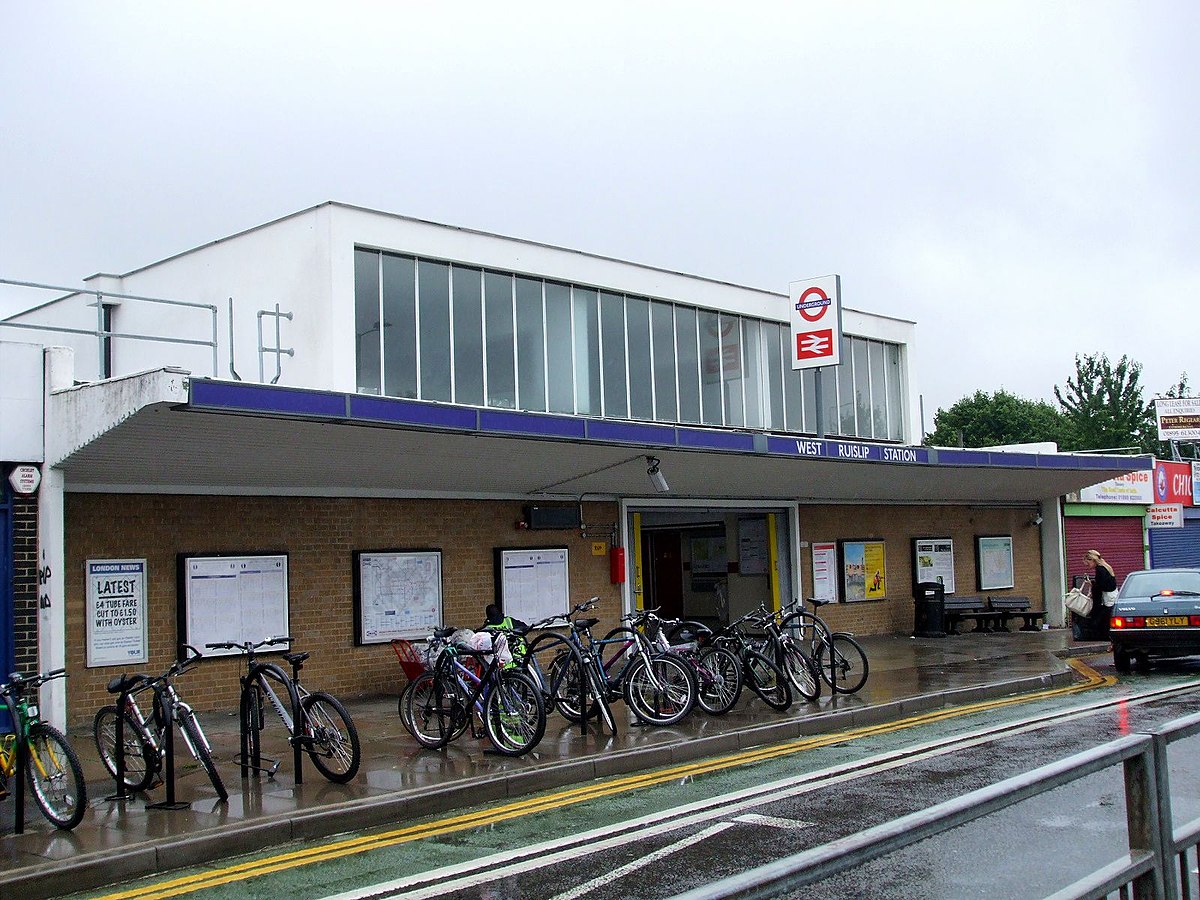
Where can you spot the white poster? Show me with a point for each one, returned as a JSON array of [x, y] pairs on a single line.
[[234, 598], [935, 561], [116, 612], [753, 555], [533, 583], [824, 565], [399, 595]]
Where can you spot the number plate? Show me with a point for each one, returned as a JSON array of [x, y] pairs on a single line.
[[33, 710], [1165, 621]]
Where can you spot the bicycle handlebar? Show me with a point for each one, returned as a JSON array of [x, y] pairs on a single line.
[[19, 683], [247, 646]]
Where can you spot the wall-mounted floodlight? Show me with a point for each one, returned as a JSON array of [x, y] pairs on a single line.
[[656, 476]]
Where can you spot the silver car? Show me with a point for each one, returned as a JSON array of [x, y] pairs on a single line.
[[1157, 615]]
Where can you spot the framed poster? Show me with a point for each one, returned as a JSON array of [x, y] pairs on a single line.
[[531, 583], [754, 554], [994, 561], [824, 567], [933, 561], [232, 598], [116, 612], [864, 571], [397, 594]]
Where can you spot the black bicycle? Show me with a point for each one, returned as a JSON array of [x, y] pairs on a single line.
[[839, 658], [316, 722], [144, 738], [761, 674]]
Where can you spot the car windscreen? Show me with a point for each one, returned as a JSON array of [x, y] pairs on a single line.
[[1149, 584]]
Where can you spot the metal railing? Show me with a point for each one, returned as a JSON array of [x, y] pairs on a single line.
[[1156, 865], [102, 333]]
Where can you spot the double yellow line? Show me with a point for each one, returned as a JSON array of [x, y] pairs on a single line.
[[531, 805]]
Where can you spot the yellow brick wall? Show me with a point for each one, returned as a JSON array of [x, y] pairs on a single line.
[[897, 526], [319, 535]]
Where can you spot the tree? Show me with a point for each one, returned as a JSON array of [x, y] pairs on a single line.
[[1104, 407], [988, 420]]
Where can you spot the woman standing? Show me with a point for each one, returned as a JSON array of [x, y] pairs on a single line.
[[1104, 595]]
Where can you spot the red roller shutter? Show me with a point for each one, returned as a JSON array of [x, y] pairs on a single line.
[[1118, 538]]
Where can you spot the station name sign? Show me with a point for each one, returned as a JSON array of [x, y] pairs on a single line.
[[851, 450]]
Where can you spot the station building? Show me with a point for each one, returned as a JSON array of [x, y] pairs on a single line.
[[349, 425]]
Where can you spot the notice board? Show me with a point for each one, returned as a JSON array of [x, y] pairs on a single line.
[[232, 598], [531, 583], [397, 594]]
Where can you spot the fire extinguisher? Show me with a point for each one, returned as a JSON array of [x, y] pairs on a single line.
[[616, 564]]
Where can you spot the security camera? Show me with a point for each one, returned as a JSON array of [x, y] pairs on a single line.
[[656, 476]]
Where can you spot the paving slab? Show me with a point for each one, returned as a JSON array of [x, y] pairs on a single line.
[[399, 780]]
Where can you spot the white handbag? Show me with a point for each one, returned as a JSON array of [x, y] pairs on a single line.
[[1078, 602]]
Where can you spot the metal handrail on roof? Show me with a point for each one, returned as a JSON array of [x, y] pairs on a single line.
[[100, 332]]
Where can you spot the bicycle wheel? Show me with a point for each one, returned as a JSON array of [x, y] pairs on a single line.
[[719, 681], [767, 680], [430, 713], [801, 672], [540, 657], [843, 663], [660, 690], [141, 759], [194, 735], [513, 715], [333, 747], [565, 671], [55, 776]]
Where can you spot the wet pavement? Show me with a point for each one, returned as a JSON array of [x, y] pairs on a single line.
[[124, 839]]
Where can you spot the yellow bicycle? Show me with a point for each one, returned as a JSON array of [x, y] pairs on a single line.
[[51, 766]]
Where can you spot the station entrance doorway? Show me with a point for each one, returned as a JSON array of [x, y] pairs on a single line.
[[711, 564]]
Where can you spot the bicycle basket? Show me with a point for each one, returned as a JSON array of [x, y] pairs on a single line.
[[412, 661]]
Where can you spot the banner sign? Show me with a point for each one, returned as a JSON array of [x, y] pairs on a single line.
[[816, 317], [1178, 418], [1133, 487], [1196, 484], [1166, 515], [116, 612], [1172, 482]]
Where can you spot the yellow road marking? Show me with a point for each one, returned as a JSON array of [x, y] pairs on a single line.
[[338, 849]]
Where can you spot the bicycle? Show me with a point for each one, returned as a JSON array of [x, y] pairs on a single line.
[[144, 739], [717, 670], [564, 667], [316, 722], [463, 682], [839, 658], [761, 674], [787, 653], [658, 686], [51, 766]]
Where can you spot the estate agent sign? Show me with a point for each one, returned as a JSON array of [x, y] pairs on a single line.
[[1178, 418]]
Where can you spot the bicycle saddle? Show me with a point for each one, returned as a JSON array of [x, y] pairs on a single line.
[[296, 658], [119, 684], [816, 602], [586, 623]]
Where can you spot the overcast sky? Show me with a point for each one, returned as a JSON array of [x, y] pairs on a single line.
[[1021, 179]]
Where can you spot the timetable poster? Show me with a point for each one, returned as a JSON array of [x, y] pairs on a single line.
[[824, 570], [234, 598]]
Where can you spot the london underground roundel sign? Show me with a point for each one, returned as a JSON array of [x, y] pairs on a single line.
[[816, 318]]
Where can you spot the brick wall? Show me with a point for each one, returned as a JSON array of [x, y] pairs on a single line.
[[25, 584], [319, 535], [897, 526]]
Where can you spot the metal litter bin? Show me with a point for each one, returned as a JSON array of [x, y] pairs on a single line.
[[929, 615]]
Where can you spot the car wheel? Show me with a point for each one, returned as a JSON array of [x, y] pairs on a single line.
[[1122, 662]]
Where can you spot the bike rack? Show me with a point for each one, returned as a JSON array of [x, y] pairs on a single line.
[[120, 796], [22, 757], [169, 751], [251, 744]]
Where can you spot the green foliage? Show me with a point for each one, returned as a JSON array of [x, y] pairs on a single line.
[[988, 420], [1104, 406]]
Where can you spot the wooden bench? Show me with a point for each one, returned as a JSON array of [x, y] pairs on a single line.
[[959, 609], [1016, 607]]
